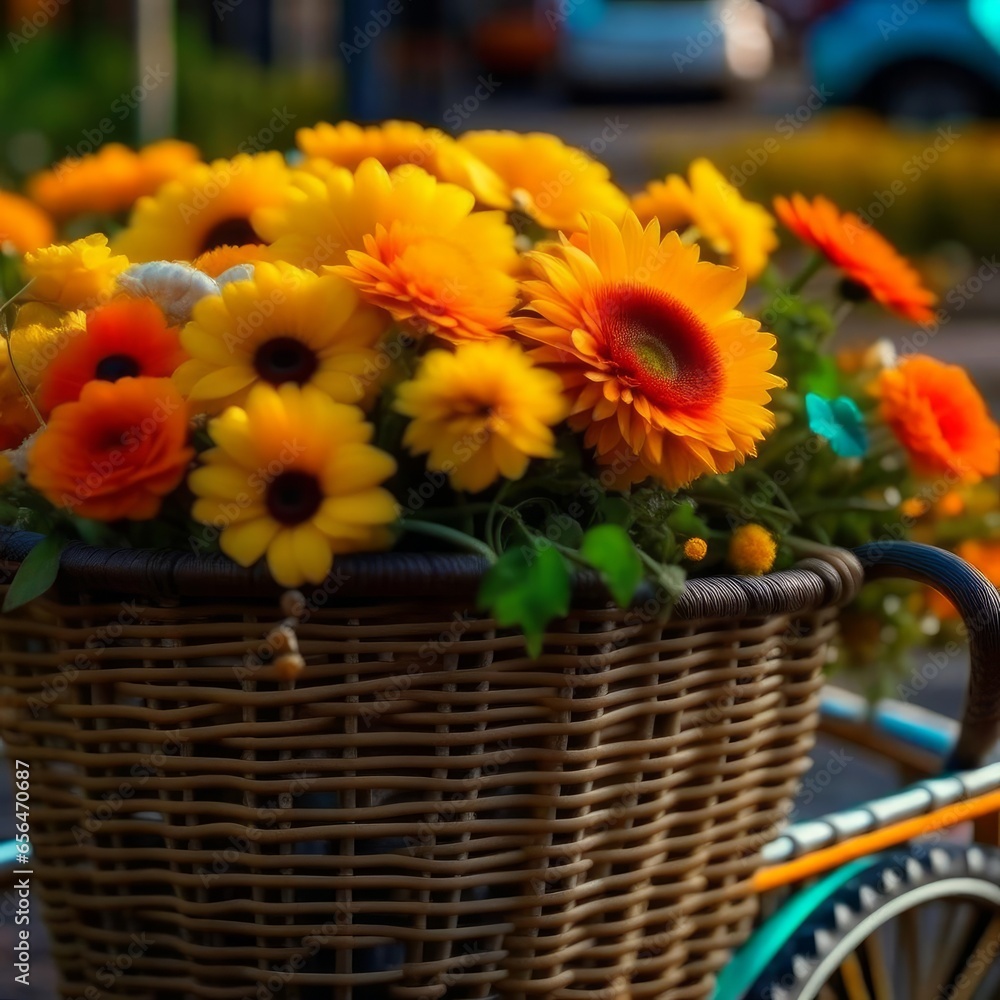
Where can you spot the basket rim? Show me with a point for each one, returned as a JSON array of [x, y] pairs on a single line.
[[832, 577]]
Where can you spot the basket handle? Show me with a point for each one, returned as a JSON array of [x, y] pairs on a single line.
[[978, 602]]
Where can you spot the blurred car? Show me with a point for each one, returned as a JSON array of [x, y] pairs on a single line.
[[660, 44], [913, 59]]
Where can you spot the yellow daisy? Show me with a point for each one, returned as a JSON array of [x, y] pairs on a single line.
[[735, 228], [283, 325], [398, 143], [209, 205], [411, 244], [481, 412], [546, 179], [38, 336], [667, 376], [294, 478], [76, 275]]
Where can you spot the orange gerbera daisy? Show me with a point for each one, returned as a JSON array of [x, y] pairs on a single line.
[[115, 452], [23, 226], [940, 418], [666, 376], [871, 265], [124, 338], [411, 244], [109, 180]]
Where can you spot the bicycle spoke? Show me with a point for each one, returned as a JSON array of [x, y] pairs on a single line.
[[908, 957], [854, 979], [878, 971], [968, 977], [962, 923]]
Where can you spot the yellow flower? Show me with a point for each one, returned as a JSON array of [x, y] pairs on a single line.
[[481, 412], [695, 549], [397, 143], [76, 275], [23, 226], [410, 243], [734, 227], [294, 478], [209, 205], [667, 377], [37, 337], [546, 179], [752, 549], [283, 325]]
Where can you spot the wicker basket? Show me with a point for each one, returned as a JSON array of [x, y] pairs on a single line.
[[425, 812]]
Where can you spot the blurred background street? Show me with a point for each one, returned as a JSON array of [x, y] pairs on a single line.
[[886, 107]]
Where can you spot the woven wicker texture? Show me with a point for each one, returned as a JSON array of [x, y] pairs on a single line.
[[424, 812]]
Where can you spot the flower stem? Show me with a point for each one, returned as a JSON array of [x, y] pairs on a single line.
[[444, 533], [802, 279]]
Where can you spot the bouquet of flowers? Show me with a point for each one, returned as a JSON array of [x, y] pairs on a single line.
[[397, 338]]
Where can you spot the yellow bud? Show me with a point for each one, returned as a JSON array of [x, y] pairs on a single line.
[[752, 550], [695, 549]]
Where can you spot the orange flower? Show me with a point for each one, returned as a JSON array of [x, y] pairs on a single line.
[[938, 415], [866, 258], [666, 377], [110, 180], [115, 452], [22, 225], [123, 338], [221, 259]]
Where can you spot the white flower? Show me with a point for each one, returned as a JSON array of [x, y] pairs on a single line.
[[238, 272], [174, 286]]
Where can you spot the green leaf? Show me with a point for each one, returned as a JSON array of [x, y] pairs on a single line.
[[36, 573], [687, 523], [563, 529], [609, 550], [528, 588]]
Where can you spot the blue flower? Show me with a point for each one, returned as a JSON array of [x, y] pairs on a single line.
[[840, 422]]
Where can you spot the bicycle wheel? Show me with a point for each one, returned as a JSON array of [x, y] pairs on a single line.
[[921, 923]]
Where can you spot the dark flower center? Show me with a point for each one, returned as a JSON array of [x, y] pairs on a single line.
[[854, 291], [235, 231], [294, 497], [660, 346], [116, 366], [285, 359]]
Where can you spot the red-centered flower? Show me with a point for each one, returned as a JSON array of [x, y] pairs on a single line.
[[124, 338], [665, 375]]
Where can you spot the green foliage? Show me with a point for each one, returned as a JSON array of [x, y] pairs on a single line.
[[527, 587], [609, 550], [36, 573], [75, 91]]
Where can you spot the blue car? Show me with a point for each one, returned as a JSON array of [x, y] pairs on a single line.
[[912, 59], [660, 44]]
